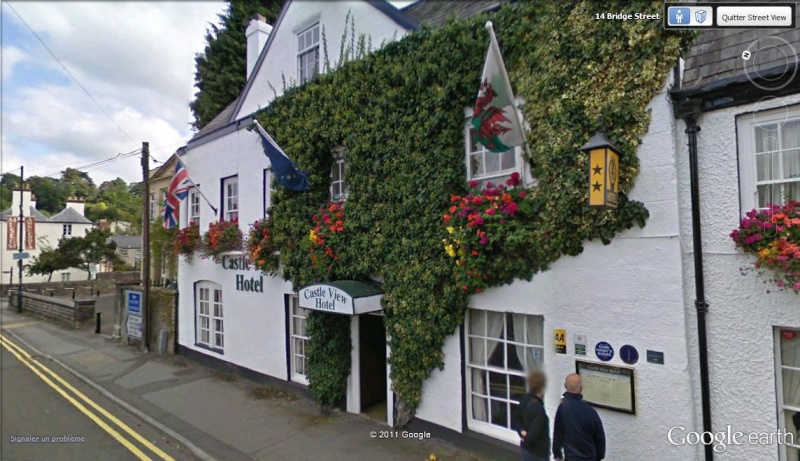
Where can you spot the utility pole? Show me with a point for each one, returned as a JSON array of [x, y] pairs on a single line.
[[145, 244], [19, 236]]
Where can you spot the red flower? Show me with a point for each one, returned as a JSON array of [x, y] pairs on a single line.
[[522, 194]]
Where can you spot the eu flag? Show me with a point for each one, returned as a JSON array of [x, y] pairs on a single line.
[[285, 171]]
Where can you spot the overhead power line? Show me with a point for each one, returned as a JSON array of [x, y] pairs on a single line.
[[69, 73]]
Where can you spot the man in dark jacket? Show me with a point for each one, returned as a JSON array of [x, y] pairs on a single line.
[[578, 433], [534, 431]]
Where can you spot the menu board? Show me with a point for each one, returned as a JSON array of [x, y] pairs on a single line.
[[607, 386]]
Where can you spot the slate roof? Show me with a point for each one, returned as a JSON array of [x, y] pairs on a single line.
[[127, 241], [70, 216], [219, 121], [33, 212], [437, 12], [717, 54]]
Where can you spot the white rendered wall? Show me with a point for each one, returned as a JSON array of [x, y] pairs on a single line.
[[255, 323], [281, 58], [628, 292], [742, 316]]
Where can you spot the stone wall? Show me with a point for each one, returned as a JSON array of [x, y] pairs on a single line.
[[73, 312], [161, 312], [105, 283]]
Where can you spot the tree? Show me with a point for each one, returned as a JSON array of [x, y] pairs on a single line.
[[79, 252], [50, 196], [116, 201], [8, 183], [220, 70], [76, 183], [49, 260]]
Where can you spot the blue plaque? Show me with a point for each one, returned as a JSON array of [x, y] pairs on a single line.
[[604, 351], [629, 354]]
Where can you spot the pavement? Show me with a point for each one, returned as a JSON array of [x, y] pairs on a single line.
[[180, 406]]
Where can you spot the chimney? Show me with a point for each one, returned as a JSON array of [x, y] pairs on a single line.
[[257, 34], [33, 201], [26, 201], [76, 204]]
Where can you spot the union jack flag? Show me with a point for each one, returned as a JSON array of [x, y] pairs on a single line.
[[178, 190]]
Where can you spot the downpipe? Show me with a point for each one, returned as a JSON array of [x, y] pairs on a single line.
[[700, 304]]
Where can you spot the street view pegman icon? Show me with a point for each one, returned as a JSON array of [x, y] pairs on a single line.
[[679, 16]]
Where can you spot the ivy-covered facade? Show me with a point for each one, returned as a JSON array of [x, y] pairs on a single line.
[[386, 143]]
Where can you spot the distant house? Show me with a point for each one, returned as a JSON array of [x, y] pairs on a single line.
[[160, 177], [40, 232], [129, 249]]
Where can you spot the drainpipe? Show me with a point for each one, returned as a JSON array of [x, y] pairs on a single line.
[[700, 304]]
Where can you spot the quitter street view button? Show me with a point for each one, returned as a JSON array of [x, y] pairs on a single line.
[[755, 16]]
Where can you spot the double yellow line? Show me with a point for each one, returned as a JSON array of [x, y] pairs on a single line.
[[42, 371]]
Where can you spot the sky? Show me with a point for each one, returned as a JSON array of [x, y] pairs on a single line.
[[136, 59]]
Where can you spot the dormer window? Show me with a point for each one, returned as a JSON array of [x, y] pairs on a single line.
[[308, 53]]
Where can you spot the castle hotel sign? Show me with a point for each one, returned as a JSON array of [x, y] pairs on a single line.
[[243, 282], [349, 297]]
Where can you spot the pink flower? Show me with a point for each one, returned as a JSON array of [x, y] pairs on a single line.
[[522, 194], [490, 211], [473, 184]]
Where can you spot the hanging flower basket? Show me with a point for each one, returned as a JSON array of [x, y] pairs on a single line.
[[261, 247], [486, 233], [326, 236], [187, 241], [773, 236], [222, 237]]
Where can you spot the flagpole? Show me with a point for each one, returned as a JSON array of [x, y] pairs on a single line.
[[496, 46], [198, 189]]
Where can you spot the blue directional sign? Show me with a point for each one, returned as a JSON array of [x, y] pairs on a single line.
[[20, 255], [134, 302], [604, 351]]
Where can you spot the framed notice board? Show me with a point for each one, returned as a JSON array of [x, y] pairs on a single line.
[[608, 386]]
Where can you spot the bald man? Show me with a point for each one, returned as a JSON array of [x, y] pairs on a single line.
[[578, 432]]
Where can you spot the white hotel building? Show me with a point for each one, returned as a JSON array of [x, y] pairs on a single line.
[[645, 311]]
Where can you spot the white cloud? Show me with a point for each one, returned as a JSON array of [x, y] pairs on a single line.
[[135, 58], [11, 56]]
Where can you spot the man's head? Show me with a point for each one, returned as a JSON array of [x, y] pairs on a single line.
[[573, 383], [536, 383]]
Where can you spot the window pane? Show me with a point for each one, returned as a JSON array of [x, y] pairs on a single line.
[[491, 162], [494, 321], [517, 389], [476, 351], [508, 160], [476, 166], [499, 413], [791, 387], [792, 191], [496, 351], [766, 138], [477, 322], [498, 387], [791, 164], [768, 166], [479, 382], [315, 38], [300, 365], [217, 296], [515, 420], [790, 135], [299, 327], [480, 408], [770, 193]]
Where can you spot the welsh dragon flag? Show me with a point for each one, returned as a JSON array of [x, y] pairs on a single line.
[[494, 118]]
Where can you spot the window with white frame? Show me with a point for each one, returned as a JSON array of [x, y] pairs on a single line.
[[194, 207], [66, 229], [787, 371], [162, 202], [152, 206], [230, 188], [65, 276], [769, 158], [339, 187], [308, 53], [210, 328], [501, 349], [485, 165], [299, 341], [267, 190], [123, 252]]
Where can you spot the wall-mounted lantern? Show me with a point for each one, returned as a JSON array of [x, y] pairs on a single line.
[[603, 172]]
